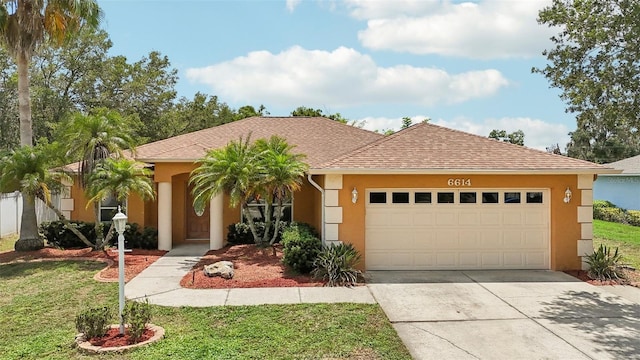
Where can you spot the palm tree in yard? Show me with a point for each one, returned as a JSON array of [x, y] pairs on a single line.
[[118, 178], [93, 139], [283, 174], [233, 170], [27, 24], [265, 170], [27, 169]]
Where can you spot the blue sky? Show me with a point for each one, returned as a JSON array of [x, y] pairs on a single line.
[[465, 65]]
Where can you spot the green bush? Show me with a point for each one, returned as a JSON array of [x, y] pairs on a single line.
[[59, 236], [336, 265], [611, 214], [93, 322], [604, 265], [240, 233], [599, 204], [137, 315], [300, 247], [633, 217]]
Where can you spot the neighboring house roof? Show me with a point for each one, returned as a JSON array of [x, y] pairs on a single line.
[[629, 166], [319, 138], [429, 148]]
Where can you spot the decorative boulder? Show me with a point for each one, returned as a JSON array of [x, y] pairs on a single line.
[[224, 269]]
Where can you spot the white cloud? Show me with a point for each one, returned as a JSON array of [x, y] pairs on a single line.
[[292, 4], [342, 77], [539, 134], [487, 29]]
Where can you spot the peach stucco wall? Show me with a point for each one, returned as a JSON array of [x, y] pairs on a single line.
[[565, 229], [137, 209]]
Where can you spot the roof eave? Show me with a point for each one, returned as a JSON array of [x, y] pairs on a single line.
[[354, 171]]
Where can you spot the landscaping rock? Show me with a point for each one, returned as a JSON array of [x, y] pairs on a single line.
[[224, 269]]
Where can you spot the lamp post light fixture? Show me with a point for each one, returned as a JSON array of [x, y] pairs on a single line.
[[120, 222]]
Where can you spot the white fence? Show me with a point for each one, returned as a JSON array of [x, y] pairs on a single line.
[[11, 212]]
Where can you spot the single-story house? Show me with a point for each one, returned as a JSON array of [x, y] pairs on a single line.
[[622, 189], [424, 198]]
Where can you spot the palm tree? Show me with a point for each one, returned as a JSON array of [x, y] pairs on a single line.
[[27, 170], [283, 175], [233, 170], [26, 24], [93, 139], [118, 178]]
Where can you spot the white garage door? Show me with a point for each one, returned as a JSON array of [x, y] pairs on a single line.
[[436, 229]]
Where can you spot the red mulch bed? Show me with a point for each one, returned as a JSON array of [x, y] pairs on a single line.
[[134, 262], [254, 267], [632, 278], [114, 339]]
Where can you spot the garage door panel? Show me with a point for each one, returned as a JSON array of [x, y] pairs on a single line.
[[447, 217], [512, 217], [423, 218], [491, 259], [468, 218], [491, 217], [432, 236], [536, 217]]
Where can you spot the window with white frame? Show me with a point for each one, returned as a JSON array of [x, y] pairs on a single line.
[[257, 209], [109, 208]]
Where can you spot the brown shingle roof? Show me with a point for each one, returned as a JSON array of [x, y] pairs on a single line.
[[319, 138], [426, 147]]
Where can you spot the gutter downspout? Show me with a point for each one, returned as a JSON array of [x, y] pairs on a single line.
[[315, 185]]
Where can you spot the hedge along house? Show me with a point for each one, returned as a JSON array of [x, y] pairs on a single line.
[[424, 198]]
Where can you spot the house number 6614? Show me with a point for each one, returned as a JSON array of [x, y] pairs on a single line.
[[459, 182]]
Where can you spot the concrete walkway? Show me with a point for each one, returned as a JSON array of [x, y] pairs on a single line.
[[160, 283]]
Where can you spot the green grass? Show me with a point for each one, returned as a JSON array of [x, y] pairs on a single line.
[[625, 237], [6, 243], [40, 300]]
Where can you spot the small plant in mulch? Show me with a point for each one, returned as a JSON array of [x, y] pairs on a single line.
[[94, 326], [605, 264], [335, 264]]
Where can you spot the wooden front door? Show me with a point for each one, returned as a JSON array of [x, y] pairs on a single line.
[[197, 226]]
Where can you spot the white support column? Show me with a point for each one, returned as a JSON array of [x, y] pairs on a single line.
[[165, 240], [216, 223], [585, 217]]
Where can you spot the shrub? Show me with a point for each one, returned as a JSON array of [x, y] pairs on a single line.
[[604, 265], [137, 315], [93, 322], [599, 204], [633, 217], [240, 233], [336, 265], [611, 214], [300, 247], [59, 236]]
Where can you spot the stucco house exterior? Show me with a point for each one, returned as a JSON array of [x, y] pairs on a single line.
[[622, 189], [424, 198]]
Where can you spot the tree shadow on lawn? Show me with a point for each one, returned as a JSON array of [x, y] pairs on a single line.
[[612, 324]]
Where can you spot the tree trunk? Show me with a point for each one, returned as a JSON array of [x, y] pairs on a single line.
[[24, 100], [69, 226], [267, 219], [277, 225], [99, 234], [252, 225], [29, 238]]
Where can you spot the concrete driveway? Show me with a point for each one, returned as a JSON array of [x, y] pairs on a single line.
[[508, 315]]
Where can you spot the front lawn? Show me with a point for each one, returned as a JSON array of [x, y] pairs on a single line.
[[39, 302], [625, 237]]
